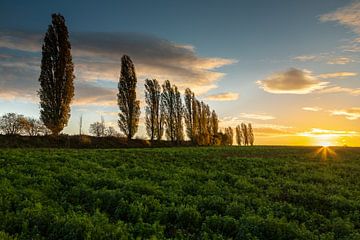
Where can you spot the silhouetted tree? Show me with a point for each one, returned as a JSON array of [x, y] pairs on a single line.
[[152, 109], [56, 77], [189, 116], [33, 127], [128, 105], [245, 134], [12, 123], [168, 108], [214, 127], [172, 110], [111, 132], [238, 135], [229, 135], [250, 134], [97, 129], [179, 109], [80, 125]]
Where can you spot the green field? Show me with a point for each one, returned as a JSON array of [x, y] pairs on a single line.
[[183, 193]]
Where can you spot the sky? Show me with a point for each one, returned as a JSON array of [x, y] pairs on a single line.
[[291, 68]]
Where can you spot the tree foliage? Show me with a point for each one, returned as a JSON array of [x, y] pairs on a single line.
[[153, 115], [238, 135], [56, 77], [12, 123], [128, 104]]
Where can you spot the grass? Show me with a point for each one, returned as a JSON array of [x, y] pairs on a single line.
[[184, 193]]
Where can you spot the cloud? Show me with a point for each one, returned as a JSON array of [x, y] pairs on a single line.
[[326, 133], [349, 16], [90, 94], [292, 81], [337, 75], [340, 60], [97, 57], [351, 113], [338, 89], [227, 96], [305, 58], [312, 109], [260, 116]]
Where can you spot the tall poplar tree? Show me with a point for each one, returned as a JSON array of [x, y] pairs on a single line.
[[168, 108], [153, 118], [128, 105], [189, 113], [56, 77], [178, 115], [251, 134], [238, 135]]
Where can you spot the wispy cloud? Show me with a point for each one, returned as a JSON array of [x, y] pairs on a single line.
[[312, 109], [351, 113], [326, 133], [337, 75], [306, 58], [293, 81], [257, 116], [338, 89], [349, 16], [340, 60], [227, 96]]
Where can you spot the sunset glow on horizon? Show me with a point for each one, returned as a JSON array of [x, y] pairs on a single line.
[[291, 68]]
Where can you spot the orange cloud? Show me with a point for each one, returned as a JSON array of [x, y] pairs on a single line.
[[312, 109], [227, 96], [351, 113], [337, 75]]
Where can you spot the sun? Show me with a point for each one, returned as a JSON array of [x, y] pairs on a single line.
[[325, 144]]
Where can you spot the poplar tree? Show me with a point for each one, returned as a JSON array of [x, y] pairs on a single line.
[[153, 118], [56, 77], [189, 115], [179, 128], [214, 126], [168, 108], [128, 104], [251, 134], [245, 134], [238, 135]]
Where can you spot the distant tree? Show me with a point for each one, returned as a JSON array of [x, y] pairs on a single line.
[[238, 135], [214, 125], [56, 77], [168, 109], [97, 129], [189, 116], [33, 127], [229, 135], [250, 134], [80, 125], [111, 132], [179, 109], [195, 118], [153, 118], [12, 123], [245, 134], [128, 105]]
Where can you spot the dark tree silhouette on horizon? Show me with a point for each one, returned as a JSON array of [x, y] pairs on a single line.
[[153, 115], [56, 77], [128, 104]]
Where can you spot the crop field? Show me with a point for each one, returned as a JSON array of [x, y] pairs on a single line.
[[182, 193]]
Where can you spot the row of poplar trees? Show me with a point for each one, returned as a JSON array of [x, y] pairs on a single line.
[[165, 111]]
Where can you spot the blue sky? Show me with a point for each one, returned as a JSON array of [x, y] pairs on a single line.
[[254, 61]]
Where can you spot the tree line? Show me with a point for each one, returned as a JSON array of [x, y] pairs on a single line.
[[166, 112]]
